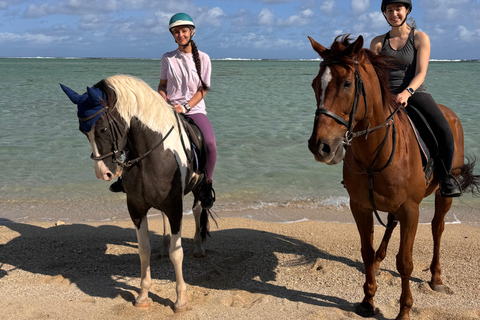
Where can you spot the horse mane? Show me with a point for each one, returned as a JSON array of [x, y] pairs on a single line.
[[381, 64], [133, 97]]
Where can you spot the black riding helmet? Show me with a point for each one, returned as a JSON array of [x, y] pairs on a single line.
[[407, 3]]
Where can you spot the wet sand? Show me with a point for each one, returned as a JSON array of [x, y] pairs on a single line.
[[253, 270]]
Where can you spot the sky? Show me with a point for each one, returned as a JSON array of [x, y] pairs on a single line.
[[239, 29]]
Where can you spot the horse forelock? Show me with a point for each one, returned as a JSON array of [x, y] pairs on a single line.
[[135, 98], [381, 64]]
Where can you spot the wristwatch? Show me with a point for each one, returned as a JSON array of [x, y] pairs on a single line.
[[410, 90], [187, 107]]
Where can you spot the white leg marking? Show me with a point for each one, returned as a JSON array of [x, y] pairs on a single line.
[[144, 252], [176, 255]]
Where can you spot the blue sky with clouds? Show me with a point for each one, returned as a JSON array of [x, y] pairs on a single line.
[[250, 29]]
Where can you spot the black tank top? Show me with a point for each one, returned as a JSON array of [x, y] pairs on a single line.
[[401, 78]]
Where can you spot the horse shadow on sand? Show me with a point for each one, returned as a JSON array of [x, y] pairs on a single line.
[[88, 256]]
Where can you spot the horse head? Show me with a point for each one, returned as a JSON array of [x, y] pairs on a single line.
[[336, 90], [104, 130]]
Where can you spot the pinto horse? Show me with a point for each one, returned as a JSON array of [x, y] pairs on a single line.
[[382, 164], [123, 112]]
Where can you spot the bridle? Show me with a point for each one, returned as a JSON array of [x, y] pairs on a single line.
[[350, 135], [117, 133]]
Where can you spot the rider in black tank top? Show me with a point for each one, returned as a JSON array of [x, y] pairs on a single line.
[[407, 84]]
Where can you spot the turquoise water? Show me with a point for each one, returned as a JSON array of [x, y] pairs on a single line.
[[262, 113]]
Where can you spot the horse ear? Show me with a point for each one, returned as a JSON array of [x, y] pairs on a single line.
[[317, 47], [93, 97], [355, 47], [74, 97]]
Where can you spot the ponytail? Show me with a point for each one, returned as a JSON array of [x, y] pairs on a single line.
[[198, 65]]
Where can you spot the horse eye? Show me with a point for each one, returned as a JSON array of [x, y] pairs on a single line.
[[103, 130], [347, 84]]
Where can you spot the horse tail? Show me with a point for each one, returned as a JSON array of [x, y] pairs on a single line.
[[468, 181], [205, 223]]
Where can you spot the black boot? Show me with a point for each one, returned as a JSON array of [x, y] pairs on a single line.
[[449, 187], [117, 186], [208, 195]]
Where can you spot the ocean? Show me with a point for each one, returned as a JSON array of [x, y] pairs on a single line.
[[262, 112]]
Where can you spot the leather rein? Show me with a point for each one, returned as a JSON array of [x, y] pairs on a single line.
[[350, 134]]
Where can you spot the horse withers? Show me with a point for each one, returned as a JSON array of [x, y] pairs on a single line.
[[135, 134], [382, 164]]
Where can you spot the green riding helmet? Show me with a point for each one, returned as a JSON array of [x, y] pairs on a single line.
[[181, 19], [407, 3]]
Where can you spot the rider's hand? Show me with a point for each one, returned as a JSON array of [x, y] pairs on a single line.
[[402, 98], [179, 108]]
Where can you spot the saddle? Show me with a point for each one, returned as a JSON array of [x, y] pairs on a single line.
[[198, 155], [426, 140]]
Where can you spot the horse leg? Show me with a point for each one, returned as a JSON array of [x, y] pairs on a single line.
[[166, 237], [144, 250], [199, 251], [364, 220], [408, 229], [176, 255], [442, 205], [382, 249]]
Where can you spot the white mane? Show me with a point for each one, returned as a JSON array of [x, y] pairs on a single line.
[[135, 98]]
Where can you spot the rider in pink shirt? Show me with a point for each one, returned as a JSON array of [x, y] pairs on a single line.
[[184, 82]]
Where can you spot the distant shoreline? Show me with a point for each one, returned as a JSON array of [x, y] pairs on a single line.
[[213, 59]]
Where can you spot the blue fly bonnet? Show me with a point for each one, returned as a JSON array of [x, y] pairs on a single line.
[[90, 106]]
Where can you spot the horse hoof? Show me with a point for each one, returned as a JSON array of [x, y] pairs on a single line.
[[441, 288], [365, 310], [145, 304], [181, 309]]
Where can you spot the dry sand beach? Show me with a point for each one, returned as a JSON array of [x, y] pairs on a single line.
[[253, 270]]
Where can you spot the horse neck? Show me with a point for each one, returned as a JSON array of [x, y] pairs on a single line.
[[365, 148], [141, 138]]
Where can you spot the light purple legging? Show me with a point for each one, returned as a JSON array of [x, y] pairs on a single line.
[[205, 126]]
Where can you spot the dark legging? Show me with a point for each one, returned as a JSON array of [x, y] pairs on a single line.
[[205, 126], [441, 129]]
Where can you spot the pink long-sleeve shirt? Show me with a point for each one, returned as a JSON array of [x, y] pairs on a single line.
[[178, 68]]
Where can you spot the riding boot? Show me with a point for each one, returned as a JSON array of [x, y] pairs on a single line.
[[117, 186], [207, 195], [449, 185]]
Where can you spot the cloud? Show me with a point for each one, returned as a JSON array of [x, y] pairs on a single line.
[[297, 20], [327, 6], [265, 17], [360, 6], [466, 35], [41, 39]]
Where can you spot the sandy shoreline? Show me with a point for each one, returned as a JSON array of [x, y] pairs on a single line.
[[253, 270]]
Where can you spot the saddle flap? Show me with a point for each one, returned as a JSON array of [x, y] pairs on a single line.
[[195, 137]]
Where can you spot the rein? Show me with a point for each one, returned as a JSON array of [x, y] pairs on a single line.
[[350, 135]]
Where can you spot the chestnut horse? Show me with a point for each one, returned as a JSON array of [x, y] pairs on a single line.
[[120, 114], [382, 166]]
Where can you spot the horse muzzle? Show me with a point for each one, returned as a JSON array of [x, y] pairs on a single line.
[[326, 152]]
